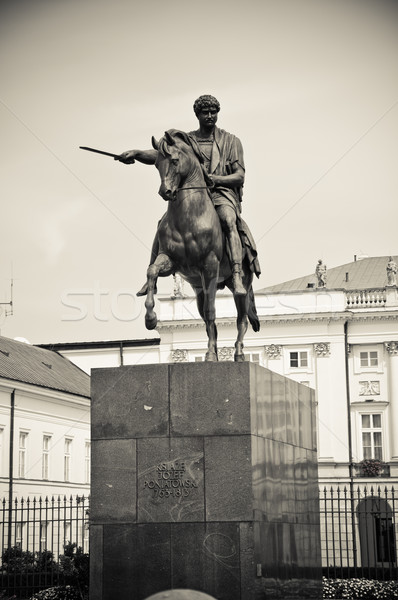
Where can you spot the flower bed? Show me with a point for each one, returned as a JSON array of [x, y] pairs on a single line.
[[360, 589]]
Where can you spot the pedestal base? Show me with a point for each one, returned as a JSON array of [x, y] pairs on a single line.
[[204, 476]]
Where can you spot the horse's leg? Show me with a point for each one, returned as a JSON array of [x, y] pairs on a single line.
[[242, 304], [209, 283], [211, 328], [154, 252], [241, 324], [163, 265]]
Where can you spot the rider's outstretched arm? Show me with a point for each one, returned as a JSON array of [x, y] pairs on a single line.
[[148, 157]]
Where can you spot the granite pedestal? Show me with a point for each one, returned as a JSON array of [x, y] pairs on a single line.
[[204, 476]]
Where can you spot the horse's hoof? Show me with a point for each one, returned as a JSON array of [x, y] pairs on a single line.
[[151, 322], [144, 290], [239, 357], [211, 357]]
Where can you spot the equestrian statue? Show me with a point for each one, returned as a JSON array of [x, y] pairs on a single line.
[[202, 235]]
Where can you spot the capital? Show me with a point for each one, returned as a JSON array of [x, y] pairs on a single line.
[[179, 355], [392, 348], [273, 351]]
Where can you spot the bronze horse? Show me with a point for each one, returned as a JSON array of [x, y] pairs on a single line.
[[191, 241]]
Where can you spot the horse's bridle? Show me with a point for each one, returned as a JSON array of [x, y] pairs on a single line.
[[197, 187]]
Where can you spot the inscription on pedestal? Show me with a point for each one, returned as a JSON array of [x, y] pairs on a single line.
[[171, 481]]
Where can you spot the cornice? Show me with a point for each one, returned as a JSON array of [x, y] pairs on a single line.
[[231, 321], [62, 420], [376, 316], [41, 393], [306, 318], [369, 405], [172, 325], [286, 319]]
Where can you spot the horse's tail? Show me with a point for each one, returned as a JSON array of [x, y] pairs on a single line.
[[252, 311]]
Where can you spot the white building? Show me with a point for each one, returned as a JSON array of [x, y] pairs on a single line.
[[338, 336], [341, 339], [44, 423]]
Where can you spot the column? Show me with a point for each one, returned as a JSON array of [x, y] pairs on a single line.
[[392, 349]]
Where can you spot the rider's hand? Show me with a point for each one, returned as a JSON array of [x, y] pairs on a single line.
[[214, 180], [128, 158]]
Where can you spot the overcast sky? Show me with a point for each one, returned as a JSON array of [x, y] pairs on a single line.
[[309, 86]]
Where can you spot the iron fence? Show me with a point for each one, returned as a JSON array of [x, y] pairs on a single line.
[[35, 535], [359, 536], [359, 532]]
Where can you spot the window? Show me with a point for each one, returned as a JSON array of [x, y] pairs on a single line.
[[369, 359], [298, 360], [87, 450], [19, 534], [372, 443], [86, 531], [45, 457], [1, 450], [43, 535], [67, 458], [23, 437], [67, 530]]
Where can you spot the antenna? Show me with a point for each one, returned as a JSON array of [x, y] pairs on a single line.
[[8, 312]]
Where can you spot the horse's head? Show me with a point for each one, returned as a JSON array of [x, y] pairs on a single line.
[[176, 160]]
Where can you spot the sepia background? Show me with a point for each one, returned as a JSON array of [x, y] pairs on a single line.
[[309, 86]]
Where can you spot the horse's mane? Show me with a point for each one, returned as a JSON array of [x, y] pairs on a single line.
[[190, 141]]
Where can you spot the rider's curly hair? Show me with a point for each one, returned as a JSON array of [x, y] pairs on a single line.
[[206, 101]]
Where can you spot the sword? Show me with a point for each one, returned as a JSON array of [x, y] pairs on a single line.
[[116, 156]]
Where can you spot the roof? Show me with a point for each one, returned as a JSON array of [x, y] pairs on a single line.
[[106, 344], [29, 364], [366, 273]]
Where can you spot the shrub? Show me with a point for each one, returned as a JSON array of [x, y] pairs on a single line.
[[16, 560], [74, 565], [4, 596], [60, 592], [360, 589]]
